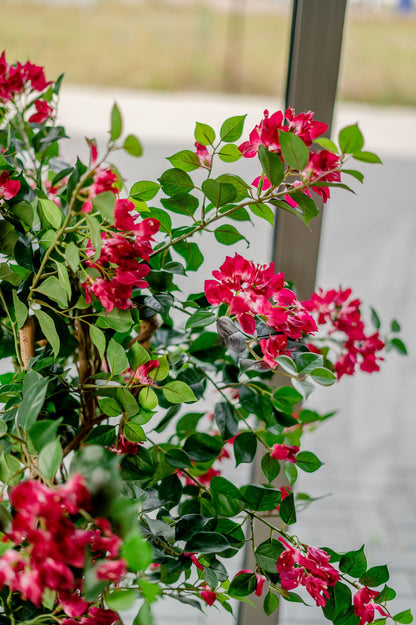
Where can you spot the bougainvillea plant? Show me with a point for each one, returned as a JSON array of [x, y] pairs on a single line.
[[121, 395]]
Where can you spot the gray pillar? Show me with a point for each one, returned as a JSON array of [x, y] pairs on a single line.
[[314, 56]]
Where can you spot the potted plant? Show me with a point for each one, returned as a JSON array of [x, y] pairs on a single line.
[[110, 463]]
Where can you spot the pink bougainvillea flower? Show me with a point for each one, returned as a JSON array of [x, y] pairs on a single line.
[[43, 112], [112, 570], [364, 605], [311, 570], [8, 188], [101, 616], [209, 596], [195, 560], [205, 158], [266, 183], [284, 452], [339, 314], [124, 446], [304, 126]]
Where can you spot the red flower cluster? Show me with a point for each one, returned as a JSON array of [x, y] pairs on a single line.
[[364, 605], [119, 263], [15, 78], [8, 188], [267, 131], [253, 290], [321, 166], [284, 452], [205, 158], [103, 180], [312, 571], [49, 551], [342, 313]]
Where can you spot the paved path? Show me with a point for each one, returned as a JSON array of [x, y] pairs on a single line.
[[369, 243]]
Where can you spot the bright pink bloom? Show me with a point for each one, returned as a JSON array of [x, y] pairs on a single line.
[[102, 616], [205, 158], [43, 112], [364, 605], [124, 446], [141, 375], [284, 452], [72, 603], [194, 560], [113, 570], [209, 596], [260, 579], [8, 188]]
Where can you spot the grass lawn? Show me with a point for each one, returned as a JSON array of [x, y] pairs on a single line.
[[151, 45]]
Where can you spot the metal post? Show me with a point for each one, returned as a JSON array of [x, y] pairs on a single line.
[[314, 57]]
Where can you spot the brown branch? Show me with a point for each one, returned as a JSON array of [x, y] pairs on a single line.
[[86, 357], [27, 340], [147, 329], [82, 434]]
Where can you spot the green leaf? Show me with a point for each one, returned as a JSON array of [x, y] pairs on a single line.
[[175, 181], [207, 542], [350, 139], [387, 594], [375, 576], [287, 364], [148, 398], [306, 204], [227, 234], [200, 319], [102, 435], [137, 552], [327, 144], [162, 371], [367, 157], [395, 326], [287, 510], [20, 310], [227, 498], [270, 603], [375, 319], [50, 458], [354, 563], [144, 190], [134, 432], [7, 274], [3, 428], [34, 392], [51, 212], [338, 602], [404, 617], [47, 326], [204, 134], [260, 497], [245, 447], [181, 203], [307, 461], [98, 339], [54, 290], [242, 585], [307, 362], [9, 467], [270, 467], [323, 376], [226, 419], [285, 399], [177, 392], [263, 211], [42, 432], [294, 151], [116, 127], [398, 345], [178, 458], [230, 153], [117, 357], [232, 128], [72, 256], [132, 146], [95, 235], [120, 599], [272, 165], [267, 553], [219, 193], [203, 447], [24, 211], [355, 174], [8, 238], [185, 160], [64, 278], [291, 472], [104, 203]]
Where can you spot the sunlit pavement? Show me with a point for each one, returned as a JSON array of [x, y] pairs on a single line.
[[368, 243]]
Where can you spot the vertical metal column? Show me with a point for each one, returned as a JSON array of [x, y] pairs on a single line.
[[314, 57]]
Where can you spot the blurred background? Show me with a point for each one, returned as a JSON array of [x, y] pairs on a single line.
[[169, 63]]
